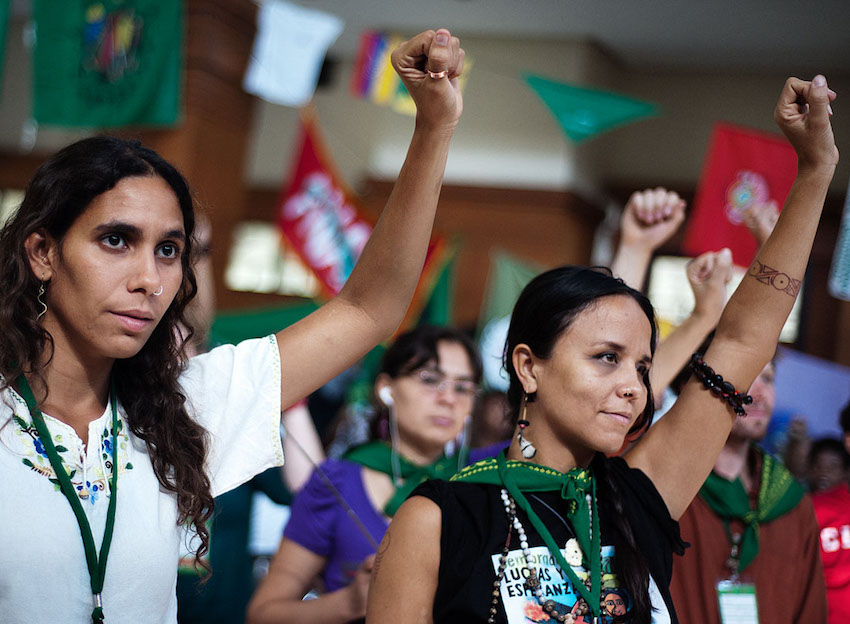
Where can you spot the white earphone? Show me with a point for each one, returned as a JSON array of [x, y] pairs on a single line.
[[386, 396]]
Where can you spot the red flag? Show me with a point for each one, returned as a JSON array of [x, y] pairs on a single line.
[[743, 167], [322, 221]]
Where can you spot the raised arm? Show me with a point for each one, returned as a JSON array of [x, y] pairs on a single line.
[[375, 297], [649, 219], [708, 275], [680, 450]]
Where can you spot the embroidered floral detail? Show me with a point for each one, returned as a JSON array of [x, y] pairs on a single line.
[[88, 486]]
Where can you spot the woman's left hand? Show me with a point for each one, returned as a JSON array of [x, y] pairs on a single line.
[[802, 113]]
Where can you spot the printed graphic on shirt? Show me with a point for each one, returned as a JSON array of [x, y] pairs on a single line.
[[833, 539], [522, 606]]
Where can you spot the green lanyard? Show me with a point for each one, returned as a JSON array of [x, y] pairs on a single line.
[[591, 595], [97, 566]]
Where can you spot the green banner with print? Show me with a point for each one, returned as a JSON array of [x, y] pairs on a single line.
[[107, 63], [4, 25]]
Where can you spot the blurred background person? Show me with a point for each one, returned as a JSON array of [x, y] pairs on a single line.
[[751, 522], [832, 506], [828, 465], [491, 422], [426, 392]]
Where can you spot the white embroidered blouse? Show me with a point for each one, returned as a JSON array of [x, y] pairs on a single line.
[[233, 391]]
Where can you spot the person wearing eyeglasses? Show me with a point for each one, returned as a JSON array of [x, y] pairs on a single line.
[[425, 394]]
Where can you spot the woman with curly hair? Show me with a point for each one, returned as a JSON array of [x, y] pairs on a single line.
[[111, 439]]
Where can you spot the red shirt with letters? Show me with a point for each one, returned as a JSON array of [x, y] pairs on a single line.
[[832, 509]]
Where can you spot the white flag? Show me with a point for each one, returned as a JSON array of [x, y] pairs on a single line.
[[290, 45], [839, 274]]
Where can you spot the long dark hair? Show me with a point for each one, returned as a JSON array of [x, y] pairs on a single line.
[[544, 310], [147, 383]]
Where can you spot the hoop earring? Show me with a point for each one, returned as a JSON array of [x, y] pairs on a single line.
[[526, 447], [40, 300]]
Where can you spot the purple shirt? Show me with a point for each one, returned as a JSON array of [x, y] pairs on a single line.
[[320, 524]]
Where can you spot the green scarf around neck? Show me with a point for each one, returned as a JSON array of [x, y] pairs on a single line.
[[576, 487], [778, 494], [379, 456]]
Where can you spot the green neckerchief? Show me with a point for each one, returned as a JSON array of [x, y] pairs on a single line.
[[96, 565], [574, 487], [779, 493], [379, 456]]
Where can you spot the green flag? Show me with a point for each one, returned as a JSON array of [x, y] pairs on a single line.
[[234, 327], [583, 113], [107, 63], [438, 309], [4, 24], [506, 278]]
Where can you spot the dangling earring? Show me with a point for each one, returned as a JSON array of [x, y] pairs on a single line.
[[526, 447], [40, 300]]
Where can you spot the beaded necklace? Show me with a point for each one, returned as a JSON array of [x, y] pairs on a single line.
[[578, 489], [532, 582]]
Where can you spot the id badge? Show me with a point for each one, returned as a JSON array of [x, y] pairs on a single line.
[[737, 602]]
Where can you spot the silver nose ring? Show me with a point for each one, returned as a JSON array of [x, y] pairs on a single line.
[[159, 292]]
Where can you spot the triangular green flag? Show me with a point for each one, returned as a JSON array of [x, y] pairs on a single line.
[[507, 276], [107, 64], [584, 113], [4, 24], [438, 309]]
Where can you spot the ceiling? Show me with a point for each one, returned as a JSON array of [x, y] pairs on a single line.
[[744, 35], [783, 36]]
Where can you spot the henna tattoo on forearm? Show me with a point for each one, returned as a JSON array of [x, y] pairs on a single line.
[[779, 280]]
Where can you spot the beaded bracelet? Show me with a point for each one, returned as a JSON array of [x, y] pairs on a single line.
[[723, 389]]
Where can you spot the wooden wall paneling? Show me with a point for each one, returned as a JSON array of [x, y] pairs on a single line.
[[16, 170], [210, 145], [546, 227]]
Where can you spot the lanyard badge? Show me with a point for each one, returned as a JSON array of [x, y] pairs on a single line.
[[737, 600]]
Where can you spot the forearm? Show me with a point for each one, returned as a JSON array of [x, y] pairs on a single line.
[[679, 451], [386, 275], [375, 298], [755, 314], [630, 263], [332, 608]]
